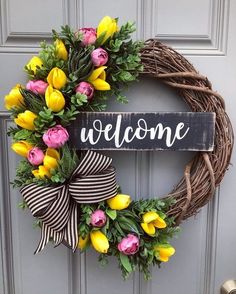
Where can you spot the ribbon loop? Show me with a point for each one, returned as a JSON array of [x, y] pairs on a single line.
[[57, 207]]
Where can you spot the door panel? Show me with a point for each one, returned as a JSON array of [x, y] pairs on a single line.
[[204, 31]]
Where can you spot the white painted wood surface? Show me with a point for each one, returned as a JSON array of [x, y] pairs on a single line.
[[204, 31]]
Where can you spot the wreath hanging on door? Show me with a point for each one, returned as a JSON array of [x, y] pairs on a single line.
[[75, 198]]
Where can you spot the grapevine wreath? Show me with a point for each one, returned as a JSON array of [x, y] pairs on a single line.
[[74, 195]]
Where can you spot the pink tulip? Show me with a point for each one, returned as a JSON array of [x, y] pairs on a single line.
[[35, 156], [129, 245], [89, 36], [98, 218], [56, 137], [38, 86], [99, 57], [86, 89]]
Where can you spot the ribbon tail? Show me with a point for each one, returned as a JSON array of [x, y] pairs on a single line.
[[71, 237], [45, 236]]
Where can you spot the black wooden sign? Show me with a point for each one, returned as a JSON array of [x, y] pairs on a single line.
[[193, 131]]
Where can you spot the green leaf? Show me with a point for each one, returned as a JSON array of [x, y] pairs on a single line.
[[111, 213], [100, 39], [124, 259]]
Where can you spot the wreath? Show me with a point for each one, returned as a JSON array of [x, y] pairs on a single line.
[[73, 195]]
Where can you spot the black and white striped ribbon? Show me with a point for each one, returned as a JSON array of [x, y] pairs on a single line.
[[92, 181]]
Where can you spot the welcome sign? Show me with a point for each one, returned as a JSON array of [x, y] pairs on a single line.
[[192, 131]]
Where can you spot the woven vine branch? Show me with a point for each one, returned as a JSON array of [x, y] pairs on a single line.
[[206, 170]]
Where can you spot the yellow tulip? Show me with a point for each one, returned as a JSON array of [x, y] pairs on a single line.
[[41, 172], [107, 26], [26, 120], [54, 99], [119, 202], [57, 78], [82, 244], [151, 221], [34, 63], [61, 51], [163, 252], [98, 79], [99, 241], [51, 158], [14, 98], [22, 148]]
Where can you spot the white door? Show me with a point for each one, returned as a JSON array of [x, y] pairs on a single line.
[[205, 32]]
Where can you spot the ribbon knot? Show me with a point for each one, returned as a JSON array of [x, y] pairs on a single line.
[[57, 207]]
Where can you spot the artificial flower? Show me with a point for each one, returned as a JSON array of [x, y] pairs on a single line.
[[61, 51], [86, 89], [151, 221], [99, 241], [83, 243], [119, 202], [99, 57], [22, 148], [41, 172], [55, 137], [34, 64], [14, 98], [98, 79], [26, 120], [37, 86], [89, 36], [51, 158], [163, 252], [107, 27], [54, 99], [57, 78], [35, 156], [129, 245], [98, 218]]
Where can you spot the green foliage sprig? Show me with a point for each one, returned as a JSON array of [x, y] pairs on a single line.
[[120, 223]]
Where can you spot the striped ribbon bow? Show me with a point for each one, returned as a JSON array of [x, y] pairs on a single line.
[[57, 207]]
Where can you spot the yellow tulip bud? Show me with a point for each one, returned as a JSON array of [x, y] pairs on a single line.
[[61, 51], [151, 221], [34, 64], [51, 158], [26, 120], [54, 99], [41, 172], [107, 26], [119, 202], [163, 252], [22, 148], [14, 98], [57, 78], [82, 244], [98, 79], [99, 241]]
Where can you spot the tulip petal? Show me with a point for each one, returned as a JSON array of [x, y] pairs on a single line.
[[83, 243], [119, 202], [148, 228], [102, 75], [41, 172], [103, 25], [99, 241], [150, 216], [26, 120], [163, 253], [163, 258], [159, 223], [101, 85], [53, 153], [22, 148], [96, 73]]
